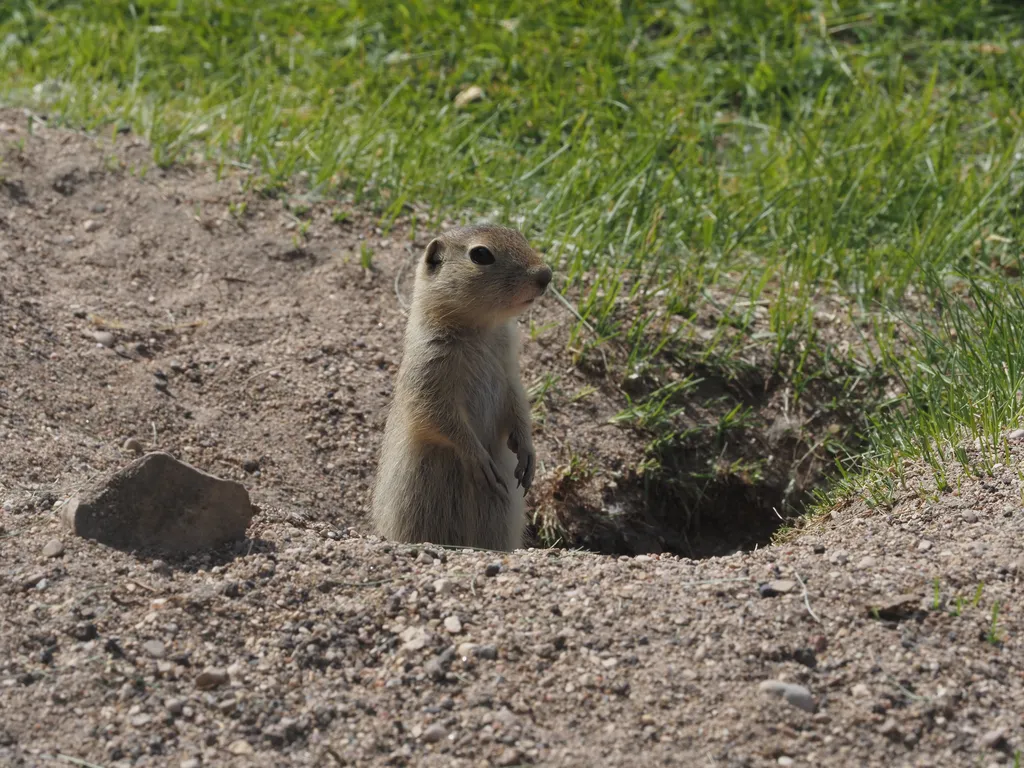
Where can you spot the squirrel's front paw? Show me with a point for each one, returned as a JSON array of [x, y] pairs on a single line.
[[527, 461]]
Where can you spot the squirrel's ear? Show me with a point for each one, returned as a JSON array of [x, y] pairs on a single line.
[[432, 256]]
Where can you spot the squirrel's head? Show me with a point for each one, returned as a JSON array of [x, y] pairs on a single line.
[[479, 276]]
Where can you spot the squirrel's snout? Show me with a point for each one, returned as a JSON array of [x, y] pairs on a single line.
[[543, 277]]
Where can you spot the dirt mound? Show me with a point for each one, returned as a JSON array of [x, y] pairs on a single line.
[[257, 339]]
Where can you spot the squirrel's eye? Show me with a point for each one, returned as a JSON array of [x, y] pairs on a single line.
[[481, 255]]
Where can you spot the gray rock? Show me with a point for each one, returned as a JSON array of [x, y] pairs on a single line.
[[434, 734], [174, 706], [211, 678], [155, 649], [105, 338], [53, 548], [488, 652], [132, 444], [994, 739], [793, 694], [159, 503]]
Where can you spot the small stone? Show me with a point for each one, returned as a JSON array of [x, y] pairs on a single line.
[[793, 694], [434, 734], [250, 466], [1015, 434], [104, 338], [469, 95], [509, 757], [433, 669], [414, 638], [465, 650], [28, 582], [492, 570], [190, 762], [132, 444], [765, 590], [861, 691], [84, 632], [174, 706], [91, 225], [442, 587], [784, 760], [160, 567], [839, 557], [782, 586], [969, 517], [896, 608], [240, 747], [159, 503], [889, 729], [452, 625], [994, 739], [140, 720], [924, 545], [227, 706], [488, 652], [819, 549], [154, 648], [53, 548], [211, 678], [867, 562], [97, 208]]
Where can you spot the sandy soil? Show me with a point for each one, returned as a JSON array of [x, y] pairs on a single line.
[[246, 338]]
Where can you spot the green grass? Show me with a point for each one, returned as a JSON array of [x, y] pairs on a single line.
[[664, 153]]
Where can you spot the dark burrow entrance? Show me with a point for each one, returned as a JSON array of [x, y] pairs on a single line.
[[738, 463]]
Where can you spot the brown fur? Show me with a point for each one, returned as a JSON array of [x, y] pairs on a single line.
[[457, 457]]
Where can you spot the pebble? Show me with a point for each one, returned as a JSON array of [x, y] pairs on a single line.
[[414, 638], [132, 444], [434, 734], [924, 545], [240, 747], [250, 466], [839, 557], [442, 587], [1015, 434], [174, 706], [211, 678], [160, 567], [785, 760], [793, 694], [889, 728], [994, 739], [53, 548], [190, 763], [860, 690], [453, 625], [868, 561], [104, 338], [91, 225], [154, 648], [492, 570], [782, 586], [969, 517]]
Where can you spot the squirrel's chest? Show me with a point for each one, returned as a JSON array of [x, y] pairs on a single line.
[[486, 389]]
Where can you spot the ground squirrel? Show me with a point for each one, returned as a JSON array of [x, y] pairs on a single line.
[[458, 432]]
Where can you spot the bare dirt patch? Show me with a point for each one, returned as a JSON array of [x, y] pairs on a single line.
[[258, 337], [244, 335]]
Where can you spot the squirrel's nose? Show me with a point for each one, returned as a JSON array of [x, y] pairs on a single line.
[[543, 277]]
